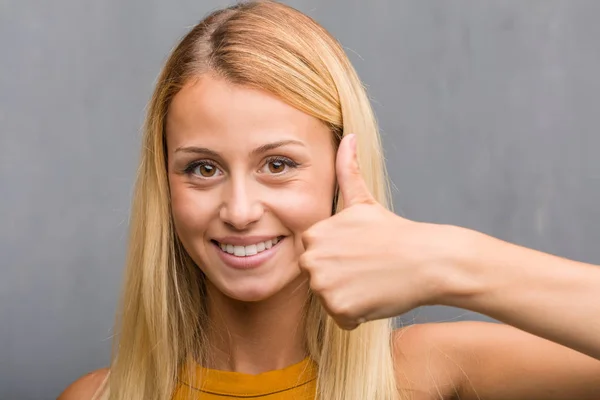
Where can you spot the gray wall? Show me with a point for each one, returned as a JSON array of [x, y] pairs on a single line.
[[489, 109]]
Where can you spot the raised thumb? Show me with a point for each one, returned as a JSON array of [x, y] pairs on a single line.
[[350, 181]]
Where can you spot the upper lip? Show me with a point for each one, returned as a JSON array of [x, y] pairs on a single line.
[[244, 240]]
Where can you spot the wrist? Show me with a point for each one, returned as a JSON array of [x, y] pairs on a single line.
[[459, 275]]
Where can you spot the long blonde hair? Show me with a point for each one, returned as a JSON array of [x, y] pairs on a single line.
[[162, 321]]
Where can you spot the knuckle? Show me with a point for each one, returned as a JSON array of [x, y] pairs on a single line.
[[341, 307], [310, 259], [305, 260], [318, 283], [309, 236]]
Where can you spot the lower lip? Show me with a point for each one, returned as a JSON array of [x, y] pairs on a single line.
[[247, 262]]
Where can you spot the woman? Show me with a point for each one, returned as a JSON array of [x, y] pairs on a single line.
[[239, 283]]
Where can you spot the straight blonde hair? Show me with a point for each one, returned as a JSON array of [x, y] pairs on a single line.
[[162, 320]]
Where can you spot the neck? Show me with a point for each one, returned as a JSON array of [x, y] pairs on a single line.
[[255, 337]]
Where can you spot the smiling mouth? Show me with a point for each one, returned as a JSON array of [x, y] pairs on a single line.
[[249, 250]]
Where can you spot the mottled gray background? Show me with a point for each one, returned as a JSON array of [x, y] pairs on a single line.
[[489, 109]]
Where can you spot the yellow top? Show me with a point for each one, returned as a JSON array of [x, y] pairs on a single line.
[[296, 382]]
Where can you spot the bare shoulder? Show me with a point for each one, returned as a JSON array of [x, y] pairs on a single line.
[[475, 360], [432, 359], [85, 387]]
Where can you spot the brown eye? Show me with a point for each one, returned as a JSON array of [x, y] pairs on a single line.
[[276, 166], [203, 169], [207, 170]]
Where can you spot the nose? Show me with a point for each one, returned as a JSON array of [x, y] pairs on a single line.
[[241, 207]]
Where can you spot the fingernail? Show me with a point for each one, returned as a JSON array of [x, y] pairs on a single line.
[[353, 140]]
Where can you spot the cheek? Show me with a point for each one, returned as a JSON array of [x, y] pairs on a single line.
[[305, 204], [192, 209]]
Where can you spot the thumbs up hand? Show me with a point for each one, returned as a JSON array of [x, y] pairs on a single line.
[[365, 262]]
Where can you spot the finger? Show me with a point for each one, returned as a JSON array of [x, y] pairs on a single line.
[[350, 181], [349, 325]]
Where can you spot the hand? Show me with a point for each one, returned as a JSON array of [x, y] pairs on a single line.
[[365, 262]]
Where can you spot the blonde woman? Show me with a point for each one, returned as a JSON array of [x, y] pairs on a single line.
[[241, 284]]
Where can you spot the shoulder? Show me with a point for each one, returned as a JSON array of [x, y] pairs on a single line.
[[433, 359], [475, 360], [451, 338], [85, 387]]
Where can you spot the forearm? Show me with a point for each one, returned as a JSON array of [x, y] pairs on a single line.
[[549, 296]]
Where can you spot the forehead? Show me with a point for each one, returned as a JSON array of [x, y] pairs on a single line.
[[212, 110]]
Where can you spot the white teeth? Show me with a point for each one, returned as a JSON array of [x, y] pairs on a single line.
[[250, 250]]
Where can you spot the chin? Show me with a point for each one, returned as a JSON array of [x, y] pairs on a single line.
[[251, 291], [257, 288], [253, 295]]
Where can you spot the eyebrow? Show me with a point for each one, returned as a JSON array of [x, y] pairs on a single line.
[[259, 150]]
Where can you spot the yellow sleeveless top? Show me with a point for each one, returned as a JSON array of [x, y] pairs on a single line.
[[296, 382]]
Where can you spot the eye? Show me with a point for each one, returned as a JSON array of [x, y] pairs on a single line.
[[207, 170], [203, 169], [278, 165]]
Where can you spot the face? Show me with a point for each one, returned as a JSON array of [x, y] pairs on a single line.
[[248, 174]]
